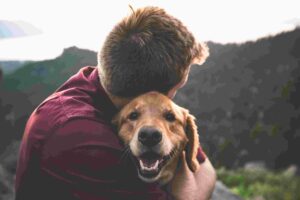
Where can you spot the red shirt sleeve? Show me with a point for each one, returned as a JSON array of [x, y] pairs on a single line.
[[84, 158], [201, 156]]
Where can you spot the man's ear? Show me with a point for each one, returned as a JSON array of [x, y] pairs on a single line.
[[193, 143]]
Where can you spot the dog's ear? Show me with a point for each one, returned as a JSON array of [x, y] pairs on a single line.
[[116, 120], [193, 143]]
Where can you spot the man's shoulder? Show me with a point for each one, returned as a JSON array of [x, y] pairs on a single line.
[[72, 104], [82, 133], [75, 120], [63, 106], [81, 99], [81, 96]]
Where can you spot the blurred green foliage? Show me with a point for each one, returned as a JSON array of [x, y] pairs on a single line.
[[256, 130], [268, 185], [274, 130], [286, 89]]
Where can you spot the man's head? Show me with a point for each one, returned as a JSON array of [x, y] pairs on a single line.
[[149, 50]]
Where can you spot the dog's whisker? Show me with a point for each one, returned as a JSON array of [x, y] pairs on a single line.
[[125, 153], [173, 153]]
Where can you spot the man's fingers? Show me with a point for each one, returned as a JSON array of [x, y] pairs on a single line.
[[183, 162]]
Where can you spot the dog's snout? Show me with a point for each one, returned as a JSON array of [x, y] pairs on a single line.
[[149, 136]]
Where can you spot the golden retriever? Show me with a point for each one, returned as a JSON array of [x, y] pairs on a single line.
[[156, 131]]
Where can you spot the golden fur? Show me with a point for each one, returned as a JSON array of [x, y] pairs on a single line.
[[178, 135]]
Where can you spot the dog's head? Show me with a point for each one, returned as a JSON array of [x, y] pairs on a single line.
[[157, 131]]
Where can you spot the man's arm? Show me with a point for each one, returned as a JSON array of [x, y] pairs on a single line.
[[187, 185]]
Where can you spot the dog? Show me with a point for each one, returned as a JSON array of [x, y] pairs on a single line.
[[157, 131]]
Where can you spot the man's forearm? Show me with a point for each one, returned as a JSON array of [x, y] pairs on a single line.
[[205, 179]]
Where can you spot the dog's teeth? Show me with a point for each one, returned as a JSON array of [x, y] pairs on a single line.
[[142, 165], [146, 168], [156, 164]]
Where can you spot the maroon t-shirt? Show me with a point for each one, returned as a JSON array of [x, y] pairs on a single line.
[[70, 151]]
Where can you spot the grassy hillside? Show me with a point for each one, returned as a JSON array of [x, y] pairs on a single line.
[[10, 66], [23, 90], [39, 79], [246, 98]]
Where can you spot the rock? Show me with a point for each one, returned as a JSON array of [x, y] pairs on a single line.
[[291, 171], [255, 165], [1, 75], [8, 161], [221, 192], [6, 184], [9, 157], [258, 198]]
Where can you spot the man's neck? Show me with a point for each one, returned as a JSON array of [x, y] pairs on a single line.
[[118, 101]]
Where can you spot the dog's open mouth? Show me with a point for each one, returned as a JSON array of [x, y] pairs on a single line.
[[150, 164]]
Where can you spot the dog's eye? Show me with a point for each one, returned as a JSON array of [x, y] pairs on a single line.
[[133, 115], [170, 117]]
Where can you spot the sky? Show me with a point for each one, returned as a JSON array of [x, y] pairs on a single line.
[[50, 26]]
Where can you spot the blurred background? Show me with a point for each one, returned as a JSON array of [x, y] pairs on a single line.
[[246, 97]]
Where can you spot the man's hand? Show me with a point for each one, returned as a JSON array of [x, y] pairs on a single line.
[[187, 185]]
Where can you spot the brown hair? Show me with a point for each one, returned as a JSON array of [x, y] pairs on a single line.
[[148, 50]]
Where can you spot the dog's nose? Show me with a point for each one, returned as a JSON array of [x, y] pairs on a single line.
[[149, 136]]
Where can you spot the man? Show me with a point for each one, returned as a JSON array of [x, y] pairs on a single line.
[[69, 149]]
